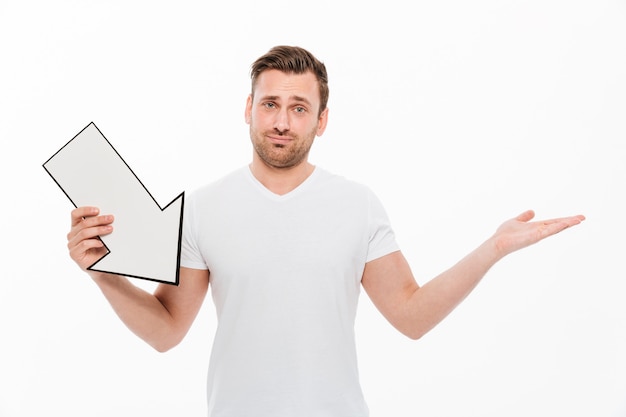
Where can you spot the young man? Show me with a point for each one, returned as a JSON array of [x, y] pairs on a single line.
[[286, 246]]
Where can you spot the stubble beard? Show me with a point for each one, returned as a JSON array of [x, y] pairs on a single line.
[[282, 156]]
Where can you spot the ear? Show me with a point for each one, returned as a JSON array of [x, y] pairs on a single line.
[[248, 112], [321, 122]]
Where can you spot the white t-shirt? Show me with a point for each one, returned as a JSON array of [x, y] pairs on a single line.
[[285, 274]]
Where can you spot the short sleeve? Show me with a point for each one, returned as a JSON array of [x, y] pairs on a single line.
[[190, 254], [382, 240]]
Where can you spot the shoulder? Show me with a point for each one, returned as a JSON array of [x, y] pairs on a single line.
[[342, 186], [327, 178], [226, 183]]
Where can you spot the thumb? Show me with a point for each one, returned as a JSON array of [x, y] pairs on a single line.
[[525, 216]]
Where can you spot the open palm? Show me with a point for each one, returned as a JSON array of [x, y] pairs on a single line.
[[519, 232]]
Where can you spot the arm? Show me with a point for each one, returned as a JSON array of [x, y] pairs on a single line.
[[161, 319], [414, 310]]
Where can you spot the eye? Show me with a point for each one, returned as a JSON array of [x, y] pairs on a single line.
[[300, 109], [269, 105]]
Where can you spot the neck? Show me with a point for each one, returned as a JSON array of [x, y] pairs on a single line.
[[281, 180]]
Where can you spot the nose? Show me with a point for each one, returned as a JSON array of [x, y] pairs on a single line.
[[281, 122]]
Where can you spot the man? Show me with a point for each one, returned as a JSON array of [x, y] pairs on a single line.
[[286, 246]]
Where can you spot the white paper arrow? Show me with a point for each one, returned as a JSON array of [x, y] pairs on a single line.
[[145, 242]]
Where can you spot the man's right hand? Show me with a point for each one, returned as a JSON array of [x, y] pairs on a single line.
[[161, 318], [82, 241]]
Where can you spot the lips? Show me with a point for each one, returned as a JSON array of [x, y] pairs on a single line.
[[279, 140]]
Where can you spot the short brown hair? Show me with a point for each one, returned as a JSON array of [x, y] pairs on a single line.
[[292, 60]]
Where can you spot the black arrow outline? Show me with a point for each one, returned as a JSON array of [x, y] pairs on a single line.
[[180, 225]]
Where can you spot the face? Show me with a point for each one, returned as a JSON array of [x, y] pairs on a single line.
[[284, 117]]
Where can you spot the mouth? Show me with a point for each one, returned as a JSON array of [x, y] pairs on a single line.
[[279, 140]]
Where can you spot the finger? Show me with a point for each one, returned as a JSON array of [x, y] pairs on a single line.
[[525, 216], [79, 213], [103, 220], [88, 252], [85, 245], [554, 226], [570, 220], [75, 237], [88, 222]]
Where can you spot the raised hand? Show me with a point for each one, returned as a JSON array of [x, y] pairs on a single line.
[[519, 232], [82, 240]]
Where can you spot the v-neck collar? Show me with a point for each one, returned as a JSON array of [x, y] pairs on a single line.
[[281, 197]]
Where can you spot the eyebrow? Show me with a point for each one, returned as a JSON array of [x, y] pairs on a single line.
[[295, 98]]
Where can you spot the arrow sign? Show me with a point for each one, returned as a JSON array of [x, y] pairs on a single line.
[[146, 239]]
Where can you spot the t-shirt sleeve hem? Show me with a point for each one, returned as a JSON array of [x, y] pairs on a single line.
[[382, 252], [185, 263]]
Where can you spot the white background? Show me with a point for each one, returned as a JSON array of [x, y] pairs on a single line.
[[458, 114]]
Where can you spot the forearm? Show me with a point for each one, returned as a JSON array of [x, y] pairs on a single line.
[[142, 312], [430, 304], [413, 310], [161, 319]]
